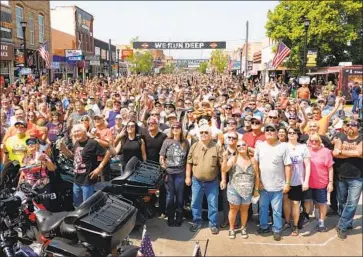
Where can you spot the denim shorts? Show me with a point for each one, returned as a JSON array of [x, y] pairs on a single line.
[[235, 198], [319, 195]]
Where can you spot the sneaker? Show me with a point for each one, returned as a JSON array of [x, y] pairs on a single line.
[[341, 234], [322, 229], [195, 227], [244, 234], [277, 236], [214, 230], [262, 231], [232, 234]]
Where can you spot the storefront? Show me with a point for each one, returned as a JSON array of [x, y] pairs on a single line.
[[6, 63]]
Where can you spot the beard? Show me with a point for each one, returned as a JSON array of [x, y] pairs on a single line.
[[350, 132]]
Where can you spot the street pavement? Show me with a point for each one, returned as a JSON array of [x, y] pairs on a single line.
[[168, 241]]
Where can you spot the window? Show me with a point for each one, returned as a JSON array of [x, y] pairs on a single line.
[[41, 28], [19, 18], [31, 28]]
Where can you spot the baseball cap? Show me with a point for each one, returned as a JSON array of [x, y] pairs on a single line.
[[32, 140], [273, 113], [98, 115], [118, 116], [20, 122], [204, 128], [270, 125], [256, 117], [171, 115]]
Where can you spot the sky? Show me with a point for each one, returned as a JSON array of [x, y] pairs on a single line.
[[172, 21]]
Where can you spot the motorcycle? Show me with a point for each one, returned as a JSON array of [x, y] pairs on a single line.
[[99, 226]]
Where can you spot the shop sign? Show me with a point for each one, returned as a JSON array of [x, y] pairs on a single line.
[[97, 51], [25, 71], [312, 56], [92, 58], [84, 21], [6, 52], [94, 63], [103, 54], [70, 53], [126, 53], [5, 24], [55, 66]]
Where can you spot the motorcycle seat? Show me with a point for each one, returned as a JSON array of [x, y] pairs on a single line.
[[129, 170], [48, 221]]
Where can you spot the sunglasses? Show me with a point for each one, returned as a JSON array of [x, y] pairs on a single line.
[[241, 145], [155, 114], [256, 123], [352, 125], [151, 123], [232, 138], [228, 108], [270, 130], [273, 117], [130, 126], [249, 120], [236, 116], [292, 118], [31, 143], [189, 111], [292, 133], [204, 132], [314, 141], [84, 119], [232, 123], [187, 102], [19, 126]]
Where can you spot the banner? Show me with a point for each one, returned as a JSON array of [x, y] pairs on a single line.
[[188, 62], [5, 24], [84, 21], [180, 45], [311, 57]]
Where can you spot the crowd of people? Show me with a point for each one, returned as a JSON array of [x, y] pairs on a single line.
[[214, 135]]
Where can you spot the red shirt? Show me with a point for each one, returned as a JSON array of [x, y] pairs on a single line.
[[251, 139]]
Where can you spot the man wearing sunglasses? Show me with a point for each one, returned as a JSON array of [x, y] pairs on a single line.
[[274, 165], [255, 136], [350, 176]]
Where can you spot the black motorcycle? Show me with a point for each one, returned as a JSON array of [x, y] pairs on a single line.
[[99, 227]]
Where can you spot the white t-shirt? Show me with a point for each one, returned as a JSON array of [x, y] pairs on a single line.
[[297, 154]]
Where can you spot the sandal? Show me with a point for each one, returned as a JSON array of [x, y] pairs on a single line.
[[287, 225], [295, 231]]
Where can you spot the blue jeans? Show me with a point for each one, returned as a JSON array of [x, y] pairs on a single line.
[[211, 191], [275, 198], [348, 198], [81, 193], [175, 189], [355, 106]]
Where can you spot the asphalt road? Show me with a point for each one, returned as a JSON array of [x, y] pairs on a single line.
[[180, 241]]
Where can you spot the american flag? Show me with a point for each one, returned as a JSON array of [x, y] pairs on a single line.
[[197, 252], [146, 249], [282, 52], [30, 61], [44, 53]]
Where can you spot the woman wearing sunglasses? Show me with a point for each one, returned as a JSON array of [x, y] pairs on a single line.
[[173, 157], [321, 177], [131, 144], [300, 158], [244, 182]]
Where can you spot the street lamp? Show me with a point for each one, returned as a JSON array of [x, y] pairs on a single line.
[[118, 63], [23, 26], [306, 22]]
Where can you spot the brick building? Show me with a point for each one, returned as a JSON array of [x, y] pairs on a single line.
[[36, 14]]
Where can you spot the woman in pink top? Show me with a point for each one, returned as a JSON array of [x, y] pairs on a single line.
[[321, 176]]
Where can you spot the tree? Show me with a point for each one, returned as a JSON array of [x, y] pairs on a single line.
[[335, 30], [141, 62], [203, 67], [168, 68], [219, 60]]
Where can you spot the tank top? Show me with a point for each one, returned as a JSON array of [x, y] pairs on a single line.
[[242, 180], [111, 118], [130, 149]]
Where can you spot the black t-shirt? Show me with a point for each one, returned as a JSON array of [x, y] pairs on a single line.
[[130, 149], [350, 167], [87, 156], [153, 145]]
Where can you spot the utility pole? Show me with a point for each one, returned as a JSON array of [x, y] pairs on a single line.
[[246, 57], [110, 58]]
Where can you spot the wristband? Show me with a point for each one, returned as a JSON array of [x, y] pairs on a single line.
[[287, 183]]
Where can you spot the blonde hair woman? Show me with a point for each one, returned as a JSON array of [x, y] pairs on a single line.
[[108, 107]]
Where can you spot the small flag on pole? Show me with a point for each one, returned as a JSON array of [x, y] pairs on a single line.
[[282, 52], [146, 249], [197, 252], [44, 53]]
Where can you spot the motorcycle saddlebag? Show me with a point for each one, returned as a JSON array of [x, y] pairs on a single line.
[[108, 222]]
